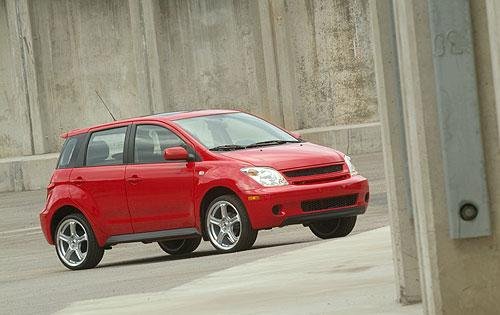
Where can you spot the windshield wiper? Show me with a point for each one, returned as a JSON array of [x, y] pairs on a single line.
[[227, 147], [269, 142]]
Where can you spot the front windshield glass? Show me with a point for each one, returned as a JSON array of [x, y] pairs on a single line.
[[234, 131]]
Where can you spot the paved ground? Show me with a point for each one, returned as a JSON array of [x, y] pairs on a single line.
[[351, 275], [32, 280]]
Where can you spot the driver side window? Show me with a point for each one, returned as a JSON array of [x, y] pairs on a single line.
[[151, 141]]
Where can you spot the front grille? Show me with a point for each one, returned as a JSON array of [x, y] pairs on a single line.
[[329, 203], [314, 171]]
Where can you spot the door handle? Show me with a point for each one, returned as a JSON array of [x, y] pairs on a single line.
[[134, 179], [78, 181]]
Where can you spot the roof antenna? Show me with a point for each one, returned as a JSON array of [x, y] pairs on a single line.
[[107, 108]]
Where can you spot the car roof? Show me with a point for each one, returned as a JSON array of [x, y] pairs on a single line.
[[169, 116]]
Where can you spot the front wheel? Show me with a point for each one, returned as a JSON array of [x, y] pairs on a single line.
[[76, 245], [228, 226], [180, 247], [338, 227]]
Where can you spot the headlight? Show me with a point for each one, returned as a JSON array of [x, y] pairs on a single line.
[[265, 176], [352, 168]]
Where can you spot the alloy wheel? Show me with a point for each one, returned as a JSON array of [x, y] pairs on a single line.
[[224, 225], [72, 242]]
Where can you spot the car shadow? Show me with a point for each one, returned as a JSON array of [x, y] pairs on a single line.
[[200, 254]]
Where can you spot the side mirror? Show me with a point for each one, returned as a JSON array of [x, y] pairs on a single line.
[[176, 154], [296, 135]]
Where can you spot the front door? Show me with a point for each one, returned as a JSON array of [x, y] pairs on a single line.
[[159, 192]]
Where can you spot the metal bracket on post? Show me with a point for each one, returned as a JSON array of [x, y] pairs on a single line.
[[458, 111]]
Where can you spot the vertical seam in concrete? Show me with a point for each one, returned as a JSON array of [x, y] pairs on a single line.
[[412, 15], [264, 38], [348, 141], [399, 100], [290, 55], [406, 296], [493, 10], [24, 74], [78, 69], [275, 55], [146, 57], [389, 89], [149, 11]]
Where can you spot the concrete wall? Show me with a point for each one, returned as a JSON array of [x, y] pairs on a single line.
[[330, 43], [17, 173], [457, 276], [493, 10], [301, 63], [82, 47], [15, 133], [211, 55], [323, 46]]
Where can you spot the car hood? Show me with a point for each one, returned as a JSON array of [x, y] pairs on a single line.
[[287, 156]]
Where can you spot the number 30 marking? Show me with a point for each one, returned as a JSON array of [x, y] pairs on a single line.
[[450, 43]]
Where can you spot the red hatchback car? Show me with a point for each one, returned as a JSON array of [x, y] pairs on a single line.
[[178, 178]]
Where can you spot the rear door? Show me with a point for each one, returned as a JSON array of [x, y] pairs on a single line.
[[99, 185], [159, 192]]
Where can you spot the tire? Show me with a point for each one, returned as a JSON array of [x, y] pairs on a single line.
[[181, 246], [76, 245], [232, 232], [338, 227]]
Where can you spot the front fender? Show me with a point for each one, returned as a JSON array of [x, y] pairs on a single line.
[[219, 174]]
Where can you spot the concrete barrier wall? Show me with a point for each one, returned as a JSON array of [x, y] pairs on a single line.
[[300, 63], [27, 173], [81, 49], [33, 172], [352, 139], [15, 133]]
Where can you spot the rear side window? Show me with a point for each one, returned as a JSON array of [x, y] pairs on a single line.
[[69, 153], [106, 147]]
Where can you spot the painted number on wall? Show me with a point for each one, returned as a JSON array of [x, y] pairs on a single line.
[[449, 43]]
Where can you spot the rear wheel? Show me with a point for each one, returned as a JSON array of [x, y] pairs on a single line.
[[338, 227], [180, 247], [76, 245], [228, 226]]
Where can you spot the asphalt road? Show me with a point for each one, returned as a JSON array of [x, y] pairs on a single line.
[[32, 280]]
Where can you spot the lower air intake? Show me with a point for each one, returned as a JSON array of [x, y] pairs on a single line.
[[329, 203]]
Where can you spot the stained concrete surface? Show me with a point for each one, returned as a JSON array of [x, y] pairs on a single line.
[[32, 280], [352, 275], [15, 173], [301, 64]]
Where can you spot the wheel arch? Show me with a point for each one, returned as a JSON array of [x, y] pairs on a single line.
[[59, 214], [208, 197]]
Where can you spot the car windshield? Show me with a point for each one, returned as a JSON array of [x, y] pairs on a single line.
[[225, 132]]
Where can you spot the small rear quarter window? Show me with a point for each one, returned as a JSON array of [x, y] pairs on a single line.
[[68, 153]]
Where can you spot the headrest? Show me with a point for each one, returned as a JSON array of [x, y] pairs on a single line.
[[98, 151]]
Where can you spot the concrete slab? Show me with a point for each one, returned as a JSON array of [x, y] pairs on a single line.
[[33, 281], [350, 139], [353, 275], [26, 172], [33, 172]]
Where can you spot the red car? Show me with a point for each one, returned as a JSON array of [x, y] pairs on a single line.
[[178, 178]]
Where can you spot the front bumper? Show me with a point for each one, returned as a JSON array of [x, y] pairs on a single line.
[[270, 207]]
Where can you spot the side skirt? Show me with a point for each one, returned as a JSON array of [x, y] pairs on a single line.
[[149, 237]]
